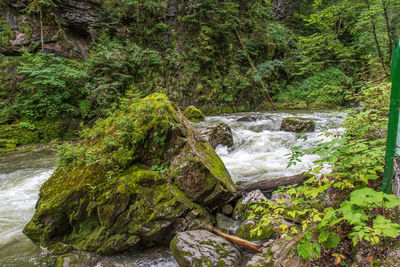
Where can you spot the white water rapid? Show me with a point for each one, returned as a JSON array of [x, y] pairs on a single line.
[[259, 152]]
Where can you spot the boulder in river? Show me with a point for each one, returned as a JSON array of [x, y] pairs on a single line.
[[247, 119], [202, 248], [297, 125], [193, 114], [219, 135], [137, 178]]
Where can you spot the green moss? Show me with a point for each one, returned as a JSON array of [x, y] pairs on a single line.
[[193, 114], [59, 248], [268, 232], [22, 133], [105, 197]]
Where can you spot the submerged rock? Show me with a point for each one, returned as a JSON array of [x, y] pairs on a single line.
[[202, 248], [193, 114], [138, 177], [219, 135], [297, 125], [247, 119]]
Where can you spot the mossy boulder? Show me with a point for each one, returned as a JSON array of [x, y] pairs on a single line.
[[137, 178], [297, 125], [202, 248], [193, 114]]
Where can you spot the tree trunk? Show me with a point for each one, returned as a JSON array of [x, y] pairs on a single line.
[[270, 185], [389, 35], [254, 69], [41, 30]]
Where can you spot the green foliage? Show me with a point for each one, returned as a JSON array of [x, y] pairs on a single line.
[[330, 86], [307, 249], [340, 207], [6, 34], [113, 68], [53, 86]]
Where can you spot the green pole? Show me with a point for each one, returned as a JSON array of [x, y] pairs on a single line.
[[393, 121]]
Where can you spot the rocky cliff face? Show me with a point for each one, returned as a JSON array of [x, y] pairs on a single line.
[[68, 26]]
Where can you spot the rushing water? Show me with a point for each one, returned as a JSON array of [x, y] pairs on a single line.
[[260, 152]]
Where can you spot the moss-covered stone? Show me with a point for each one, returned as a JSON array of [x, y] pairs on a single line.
[[59, 248], [245, 228], [138, 177], [193, 114], [201, 248], [298, 125]]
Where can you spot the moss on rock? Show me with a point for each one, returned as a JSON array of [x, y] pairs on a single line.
[[22, 133], [132, 181], [202, 248], [193, 114], [298, 125]]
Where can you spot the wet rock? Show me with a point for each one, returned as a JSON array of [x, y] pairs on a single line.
[[59, 248], [193, 114], [247, 119], [279, 253], [77, 259], [227, 209], [297, 125], [227, 225], [202, 248], [259, 260], [138, 177], [242, 209], [219, 135]]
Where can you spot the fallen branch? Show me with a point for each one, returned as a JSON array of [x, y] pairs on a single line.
[[270, 185], [236, 240]]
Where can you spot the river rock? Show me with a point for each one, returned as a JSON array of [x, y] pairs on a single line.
[[77, 259], [227, 209], [219, 135], [297, 125], [247, 119], [227, 224], [279, 253], [136, 179], [243, 206], [193, 114], [202, 248]]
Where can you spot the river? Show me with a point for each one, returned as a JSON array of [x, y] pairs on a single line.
[[260, 152]]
